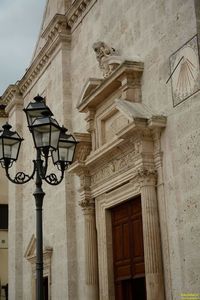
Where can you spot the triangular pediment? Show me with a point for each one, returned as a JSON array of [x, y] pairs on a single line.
[[89, 87], [30, 251]]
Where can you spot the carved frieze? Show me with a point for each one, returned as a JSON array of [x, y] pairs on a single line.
[[115, 166]]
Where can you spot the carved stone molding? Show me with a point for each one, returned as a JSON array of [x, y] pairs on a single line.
[[9, 93], [147, 176], [78, 11], [114, 83], [83, 148], [81, 170], [90, 85], [16, 103], [57, 27], [55, 33]]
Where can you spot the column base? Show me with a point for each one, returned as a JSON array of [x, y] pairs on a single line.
[[154, 287]]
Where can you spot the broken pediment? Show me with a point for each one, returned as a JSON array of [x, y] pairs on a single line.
[[125, 82]]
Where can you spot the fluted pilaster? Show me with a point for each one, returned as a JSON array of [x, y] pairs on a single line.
[[152, 242], [91, 259], [162, 209]]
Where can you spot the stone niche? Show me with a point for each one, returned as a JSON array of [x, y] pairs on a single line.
[[118, 158]]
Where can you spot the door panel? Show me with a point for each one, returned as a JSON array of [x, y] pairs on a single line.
[[128, 251]]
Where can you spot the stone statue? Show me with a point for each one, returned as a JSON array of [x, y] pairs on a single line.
[[107, 57]]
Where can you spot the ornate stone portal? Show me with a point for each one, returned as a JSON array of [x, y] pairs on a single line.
[[117, 160]]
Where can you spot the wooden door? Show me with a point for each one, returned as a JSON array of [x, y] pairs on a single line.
[[128, 251]]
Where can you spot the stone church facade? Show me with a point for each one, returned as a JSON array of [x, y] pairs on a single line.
[[123, 77]]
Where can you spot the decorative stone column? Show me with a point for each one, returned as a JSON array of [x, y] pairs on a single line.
[[151, 236], [88, 206], [90, 237], [91, 263]]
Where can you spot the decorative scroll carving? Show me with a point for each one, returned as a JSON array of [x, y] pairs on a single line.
[[107, 58]]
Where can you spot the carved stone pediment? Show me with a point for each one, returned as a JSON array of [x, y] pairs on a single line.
[[125, 82]]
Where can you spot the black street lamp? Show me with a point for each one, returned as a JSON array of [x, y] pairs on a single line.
[[50, 140]]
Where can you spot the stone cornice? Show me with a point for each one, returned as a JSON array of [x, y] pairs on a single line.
[[47, 253], [17, 103], [55, 33], [11, 90], [57, 25], [77, 12]]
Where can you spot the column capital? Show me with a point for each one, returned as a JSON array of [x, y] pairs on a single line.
[[147, 177], [86, 202]]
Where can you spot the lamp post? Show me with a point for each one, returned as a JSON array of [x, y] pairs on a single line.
[[50, 140]]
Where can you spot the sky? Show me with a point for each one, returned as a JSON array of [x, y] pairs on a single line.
[[20, 22]]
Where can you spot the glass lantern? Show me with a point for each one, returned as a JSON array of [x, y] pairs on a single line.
[[10, 143], [46, 133], [36, 109], [66, 149]]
